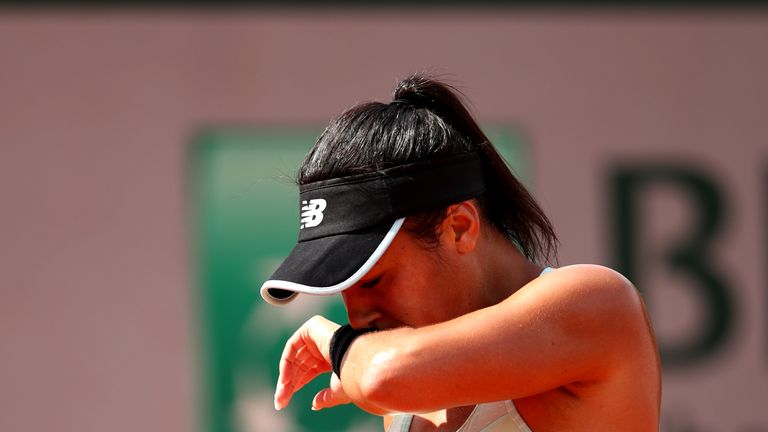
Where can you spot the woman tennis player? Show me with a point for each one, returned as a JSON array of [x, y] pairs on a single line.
[[455, 323]]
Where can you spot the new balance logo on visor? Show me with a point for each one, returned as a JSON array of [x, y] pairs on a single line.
[[312, 212]]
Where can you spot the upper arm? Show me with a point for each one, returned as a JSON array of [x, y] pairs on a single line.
[[575, 324]]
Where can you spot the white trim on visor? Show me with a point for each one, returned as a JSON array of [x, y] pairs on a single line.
[[339, 287]]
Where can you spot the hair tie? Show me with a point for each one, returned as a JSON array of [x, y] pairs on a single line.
[[401, 102]]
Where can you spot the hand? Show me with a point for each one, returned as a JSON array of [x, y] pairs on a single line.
[[305, 356]]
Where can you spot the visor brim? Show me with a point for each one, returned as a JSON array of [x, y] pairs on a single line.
[[329, 265]]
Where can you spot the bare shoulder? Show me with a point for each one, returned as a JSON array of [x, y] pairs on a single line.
[[592, 274], [595, 284], [596, 303], [599, 317]]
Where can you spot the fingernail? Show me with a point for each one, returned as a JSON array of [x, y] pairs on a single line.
[[277, 407]]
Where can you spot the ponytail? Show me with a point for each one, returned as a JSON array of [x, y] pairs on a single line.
[[427, 120]]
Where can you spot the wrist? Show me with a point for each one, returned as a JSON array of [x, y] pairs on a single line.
[[340, 342]]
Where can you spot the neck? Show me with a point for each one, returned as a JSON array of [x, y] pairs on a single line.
[[506, 268]]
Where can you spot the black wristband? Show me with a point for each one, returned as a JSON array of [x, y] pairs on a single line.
[[342, 338]]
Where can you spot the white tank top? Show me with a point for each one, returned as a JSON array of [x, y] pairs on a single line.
[[501, 416]]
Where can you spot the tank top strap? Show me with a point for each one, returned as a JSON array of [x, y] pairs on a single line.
[[400, 423]]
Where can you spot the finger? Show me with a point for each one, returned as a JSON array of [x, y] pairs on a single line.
[[293, 345], [300, 363], [299, 347], [327, 398], [287, 370], [309, 357], [302, 359], [288, 359], [332, 396], [312, 337], [310, 368], [303, 374]]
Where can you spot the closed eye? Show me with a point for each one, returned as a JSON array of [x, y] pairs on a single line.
[[371, 283]]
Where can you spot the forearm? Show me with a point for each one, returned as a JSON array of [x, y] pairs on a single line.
[[411, 370]]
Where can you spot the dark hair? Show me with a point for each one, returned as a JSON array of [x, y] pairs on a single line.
[[427, 120]]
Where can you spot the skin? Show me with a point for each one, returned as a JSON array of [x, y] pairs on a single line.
[[471, 321]]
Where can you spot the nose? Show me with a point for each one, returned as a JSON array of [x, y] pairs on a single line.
[[361, 308]]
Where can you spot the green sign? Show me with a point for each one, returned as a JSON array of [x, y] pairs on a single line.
[[245, 221]]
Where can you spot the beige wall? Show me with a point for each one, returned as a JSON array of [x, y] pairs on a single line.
[[97, 321]]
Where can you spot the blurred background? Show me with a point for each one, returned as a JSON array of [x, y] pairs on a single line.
[[146, 166]]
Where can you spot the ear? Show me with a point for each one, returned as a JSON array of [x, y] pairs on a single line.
[[462, 226]]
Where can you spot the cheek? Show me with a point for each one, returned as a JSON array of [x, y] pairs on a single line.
[[417, 297]]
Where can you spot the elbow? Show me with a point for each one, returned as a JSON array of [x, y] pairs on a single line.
[[382, 387], [373, 392], [377, 389]]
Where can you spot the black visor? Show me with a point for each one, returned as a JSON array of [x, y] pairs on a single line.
[[347, 223]]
